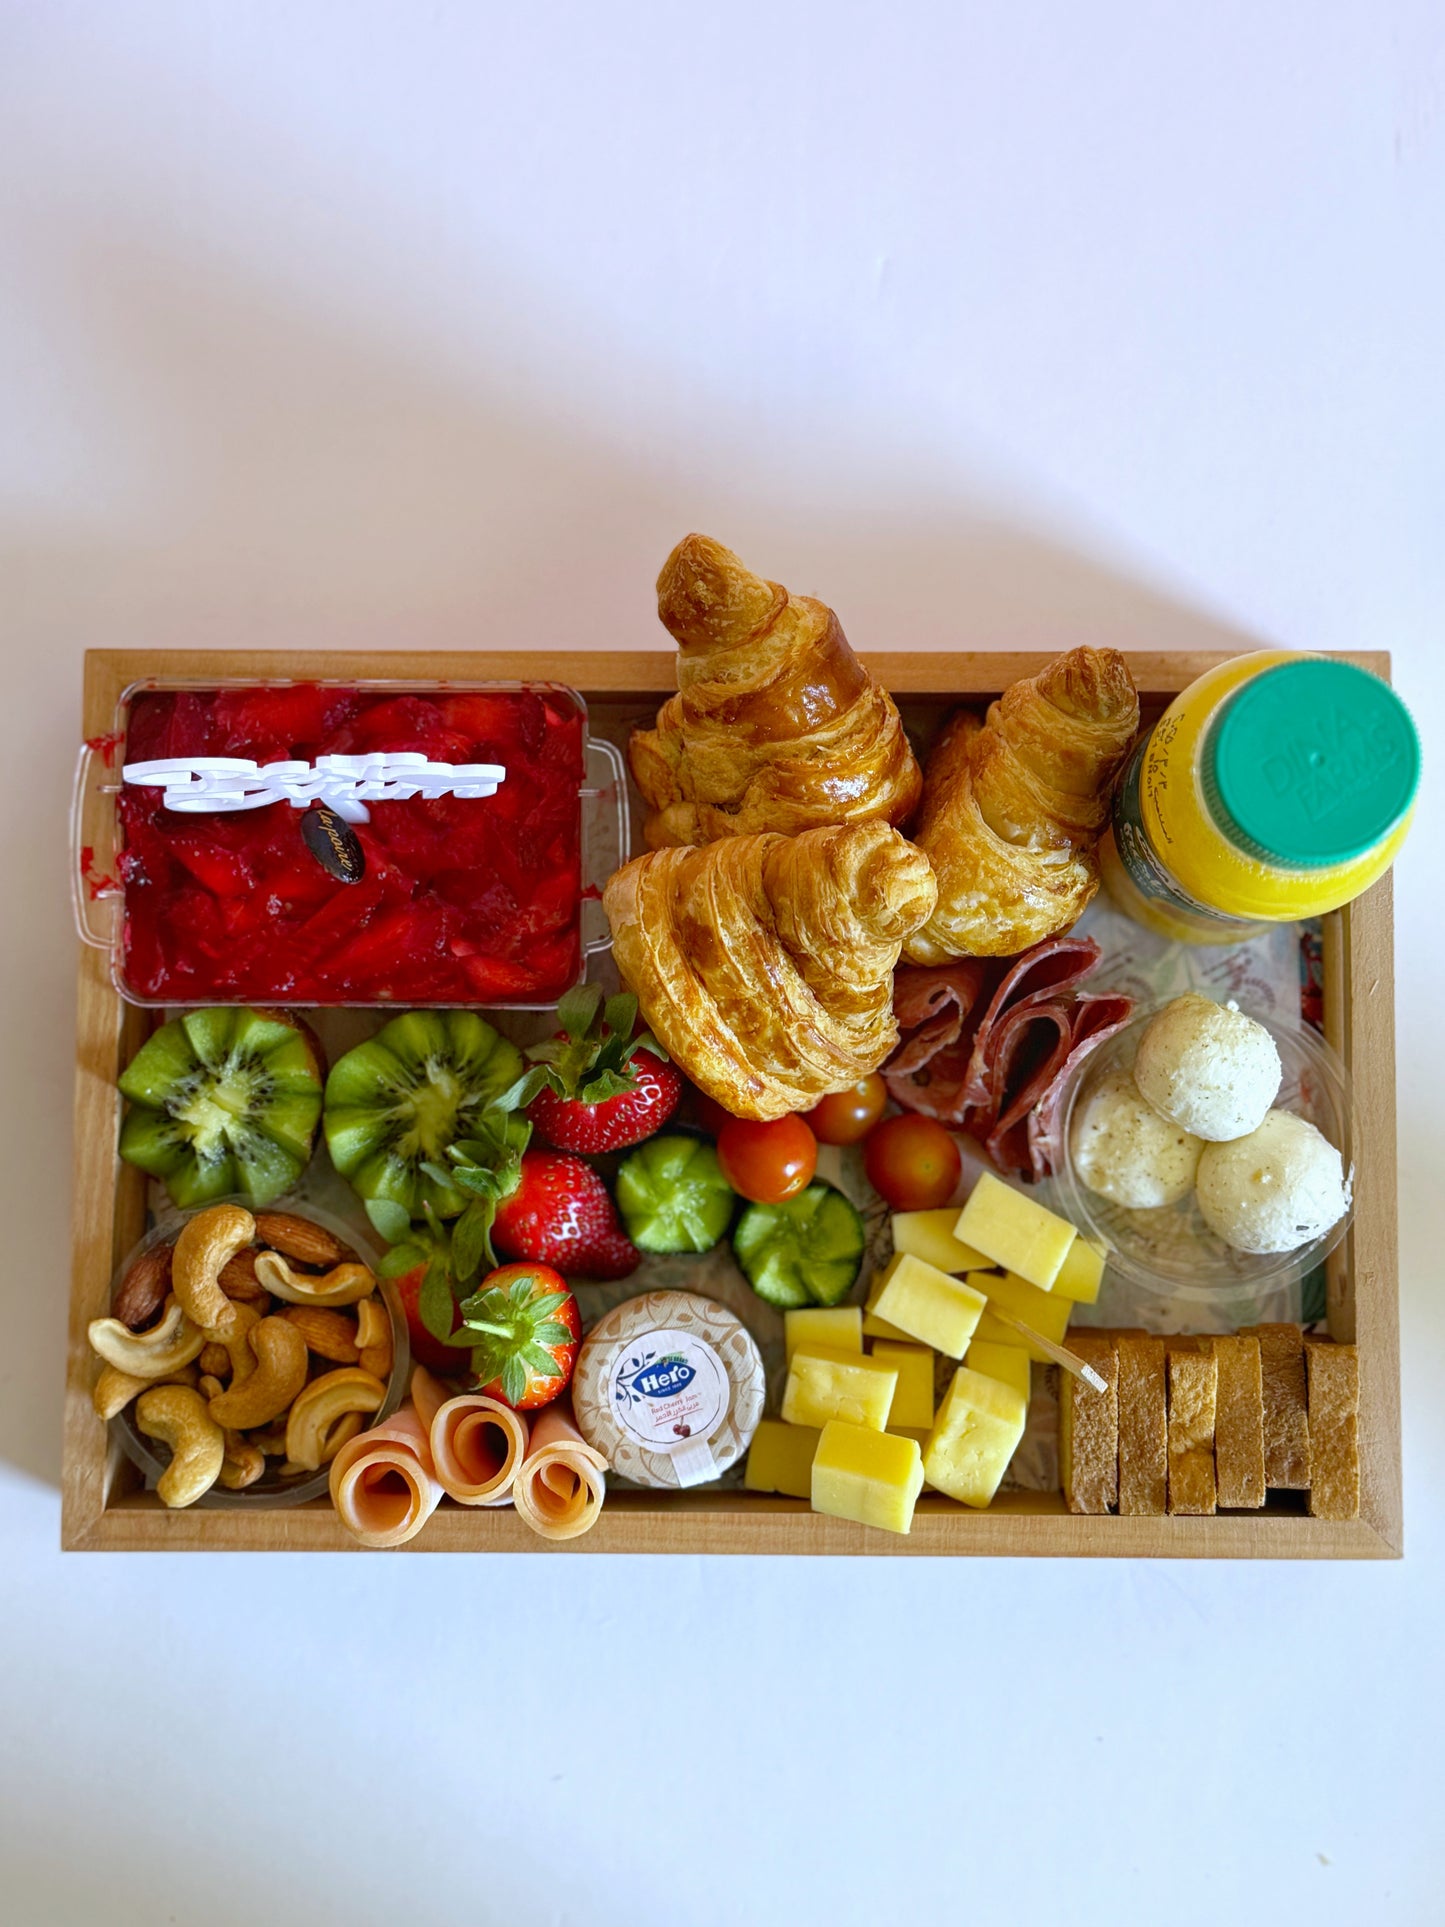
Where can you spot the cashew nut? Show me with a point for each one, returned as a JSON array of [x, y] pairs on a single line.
[[375, 1349], [115, 1389], [177, 1416], [281, 1365], [342, 1285], [242, 1360], [310, 1429], [243, 1464], [209, 1386], [330, 1334], [206, 1244], [152, 1354], [215, 1359], [270, 1439]]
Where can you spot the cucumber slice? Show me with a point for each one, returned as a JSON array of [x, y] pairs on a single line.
[[673, 1196], [805, 1252]]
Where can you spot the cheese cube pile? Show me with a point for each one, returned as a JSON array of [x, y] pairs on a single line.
[[860, 1435]]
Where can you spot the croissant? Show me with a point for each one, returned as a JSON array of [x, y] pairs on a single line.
[[765, 963], [1013, 807], [776, 725]]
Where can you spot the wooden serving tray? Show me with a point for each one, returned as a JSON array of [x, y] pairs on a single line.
[[105, 1509]]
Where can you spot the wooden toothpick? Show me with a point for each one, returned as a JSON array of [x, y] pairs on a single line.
[[1060, 1354]]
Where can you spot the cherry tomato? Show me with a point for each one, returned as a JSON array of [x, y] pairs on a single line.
[[767, 1162], [912, 1162], [845, 1116]]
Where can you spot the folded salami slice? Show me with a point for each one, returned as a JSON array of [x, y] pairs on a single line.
[[988, 1045], [561, 1486], [382, 1482]]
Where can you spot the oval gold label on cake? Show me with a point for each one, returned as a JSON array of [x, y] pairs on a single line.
[[333, 843]]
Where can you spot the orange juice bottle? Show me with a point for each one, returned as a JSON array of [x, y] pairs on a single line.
[[1277, 786]]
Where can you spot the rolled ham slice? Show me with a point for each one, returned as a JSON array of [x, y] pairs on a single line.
[[561, 1487], [477, 1448], [989, 1045], [382, 1482]]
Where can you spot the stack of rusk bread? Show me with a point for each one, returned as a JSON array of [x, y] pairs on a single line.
[[1203, 1424]]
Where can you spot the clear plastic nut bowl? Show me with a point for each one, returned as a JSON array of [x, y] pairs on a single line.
[[347, 1338], [1169, 1250]]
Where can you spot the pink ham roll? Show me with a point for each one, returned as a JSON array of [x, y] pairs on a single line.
[[383, 1484], [477, 1446], [561, 1486]]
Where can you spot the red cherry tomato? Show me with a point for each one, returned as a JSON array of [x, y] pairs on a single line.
[[845, 1116], [912, 1162], [767, 1162]]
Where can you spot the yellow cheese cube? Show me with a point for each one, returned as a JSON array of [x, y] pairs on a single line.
[[839, 1327], [913, 1400], [1010, 1363], [872, 1477], [1081, 1273], [1014, 1231], [929, 1235], [1041, 1309], [976, 1434], [825, 1385], [876, 1327], [780, 1459], [927, 1305]]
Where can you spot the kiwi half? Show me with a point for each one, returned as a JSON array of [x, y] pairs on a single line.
[[224, 1103], [394, 1104]]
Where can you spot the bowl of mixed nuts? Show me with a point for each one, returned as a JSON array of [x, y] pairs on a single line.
[[243, 1349]]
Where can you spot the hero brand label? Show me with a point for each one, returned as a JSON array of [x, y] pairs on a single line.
[[668, 1389]]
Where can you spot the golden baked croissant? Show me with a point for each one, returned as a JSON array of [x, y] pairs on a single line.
[[765, 963], [1013, 807], [776, 725]]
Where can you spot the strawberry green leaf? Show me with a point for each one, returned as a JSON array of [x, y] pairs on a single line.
[[390, 1219], [472, 1239], [435, 1302], [540, 1363], [576, 1011], [550, 1332], [621, 1014], [602, 1085], [514, 1379], [401, 1259]]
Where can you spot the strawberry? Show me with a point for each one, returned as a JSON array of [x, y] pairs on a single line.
[[420, 1263], [562, 1214], [434, 1353], [605, 1088], [525, 1329]]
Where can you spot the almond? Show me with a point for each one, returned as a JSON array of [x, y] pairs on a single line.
[[239, 1281], [299, 1240], [144, 1288], [330, 1334]]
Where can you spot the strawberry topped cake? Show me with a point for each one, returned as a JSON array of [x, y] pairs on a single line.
[[459, 901]]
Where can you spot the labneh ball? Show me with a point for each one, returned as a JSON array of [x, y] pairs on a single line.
[[1208, 1068], [1125, 1151], [1274, 1190]]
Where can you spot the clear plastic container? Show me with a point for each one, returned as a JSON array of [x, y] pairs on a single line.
[[1171, 1252], [109, 875], [271, 1489]]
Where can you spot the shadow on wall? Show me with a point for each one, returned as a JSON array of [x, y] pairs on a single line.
[[246, 469]]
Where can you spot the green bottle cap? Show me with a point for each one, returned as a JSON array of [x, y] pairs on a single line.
[[1311, 764]]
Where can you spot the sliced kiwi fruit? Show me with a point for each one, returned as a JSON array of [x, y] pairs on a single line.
[[394, 1104], [224, 1103]]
